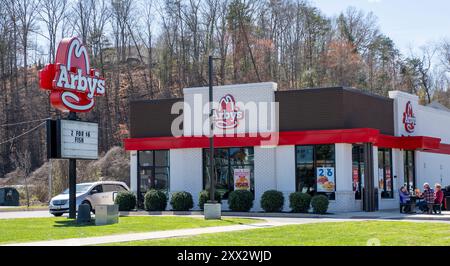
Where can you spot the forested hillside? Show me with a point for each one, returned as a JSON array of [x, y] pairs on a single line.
[[153, 49]]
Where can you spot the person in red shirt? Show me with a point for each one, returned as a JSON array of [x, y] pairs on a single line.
[[438, 194]]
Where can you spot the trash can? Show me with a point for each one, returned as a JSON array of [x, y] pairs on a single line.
[[447, 203], [9, 196], [377, 198], [84, 214]]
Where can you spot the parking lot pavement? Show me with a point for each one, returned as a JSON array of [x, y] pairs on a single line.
[[25, 214]]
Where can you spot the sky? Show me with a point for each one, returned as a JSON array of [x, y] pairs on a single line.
[[410, 24]]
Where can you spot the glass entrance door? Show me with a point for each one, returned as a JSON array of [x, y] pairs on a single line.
[[146, 182], [409, 170]]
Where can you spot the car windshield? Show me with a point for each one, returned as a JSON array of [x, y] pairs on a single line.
[[80, 188]]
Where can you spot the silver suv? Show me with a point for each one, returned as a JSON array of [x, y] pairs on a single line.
[[93, 194]]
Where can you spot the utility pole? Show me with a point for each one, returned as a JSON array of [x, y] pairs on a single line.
[[212, 209]]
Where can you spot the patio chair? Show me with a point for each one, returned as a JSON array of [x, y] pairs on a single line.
[[437, 208]]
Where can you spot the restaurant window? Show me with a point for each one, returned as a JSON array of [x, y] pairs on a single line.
[[226, 161], [385, 183], [315, 170], [153, 171], [357, 170], [410, 170]]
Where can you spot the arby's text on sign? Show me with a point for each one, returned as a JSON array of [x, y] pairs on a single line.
[[409, 119], [72, 83]]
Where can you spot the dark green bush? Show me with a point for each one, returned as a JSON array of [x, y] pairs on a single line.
[[204, 197], [155, 200], [240, 200], [126, 200], [319, 204], [299, 202], [181, 201], [272, 201]]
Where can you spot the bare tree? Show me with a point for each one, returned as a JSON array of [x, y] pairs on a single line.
[[22, 160], [52, 13], [82, 19], [26, 12]]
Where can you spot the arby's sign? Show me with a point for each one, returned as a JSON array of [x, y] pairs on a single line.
[[409, 119], [228, 114], [72, 83]]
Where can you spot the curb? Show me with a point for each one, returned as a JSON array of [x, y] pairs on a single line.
[[228, 213]]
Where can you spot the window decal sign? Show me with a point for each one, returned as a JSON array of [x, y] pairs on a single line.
[[228, 114], [409, 119], [325, 179], [242, 179], [72, 83]]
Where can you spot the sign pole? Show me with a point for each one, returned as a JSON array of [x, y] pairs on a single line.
[[212, 189], [72, 180]]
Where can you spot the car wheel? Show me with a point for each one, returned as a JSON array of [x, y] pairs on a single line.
[[57, 214], [90, 206]]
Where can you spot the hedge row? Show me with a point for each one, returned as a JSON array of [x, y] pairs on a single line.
[[239, 200]]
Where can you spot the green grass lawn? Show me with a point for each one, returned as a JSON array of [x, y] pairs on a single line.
[[39, 229], [320, 234]]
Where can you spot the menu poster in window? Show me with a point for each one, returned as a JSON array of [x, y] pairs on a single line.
[[355, 172], [380, 178], [242, 179], [325, 179]]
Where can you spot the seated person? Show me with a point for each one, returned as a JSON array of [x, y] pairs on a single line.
[[428, 199], [438, 194], [405, 199]]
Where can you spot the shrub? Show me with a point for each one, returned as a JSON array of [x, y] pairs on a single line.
[[204, 197], [155, 200], [126, 200], [240, 200], [319, 204], [272, 201], [181, 201], [299, 202]]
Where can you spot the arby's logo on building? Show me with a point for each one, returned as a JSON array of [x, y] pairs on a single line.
[[72, 83], [409, 119], [228, 114]]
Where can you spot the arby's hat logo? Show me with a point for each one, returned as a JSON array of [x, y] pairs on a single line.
[[409, 119], [228, 114], [72, 83]]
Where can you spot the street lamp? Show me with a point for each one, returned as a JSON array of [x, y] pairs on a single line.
[[212, 209]]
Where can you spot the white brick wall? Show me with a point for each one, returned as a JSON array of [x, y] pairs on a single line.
[[133, 171], [432, 168], [285, 172], [265, 174], [345, 197], [186, 172], [243, 94]]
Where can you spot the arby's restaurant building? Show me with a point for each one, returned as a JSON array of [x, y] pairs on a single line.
[[357, 148]]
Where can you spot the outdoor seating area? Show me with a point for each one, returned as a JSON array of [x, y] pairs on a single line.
[[430, 201]]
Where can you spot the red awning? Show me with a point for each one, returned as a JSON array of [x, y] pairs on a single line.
[[310, 137], [408, 143]]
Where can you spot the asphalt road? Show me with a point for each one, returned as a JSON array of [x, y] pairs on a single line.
[[24, 214]]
